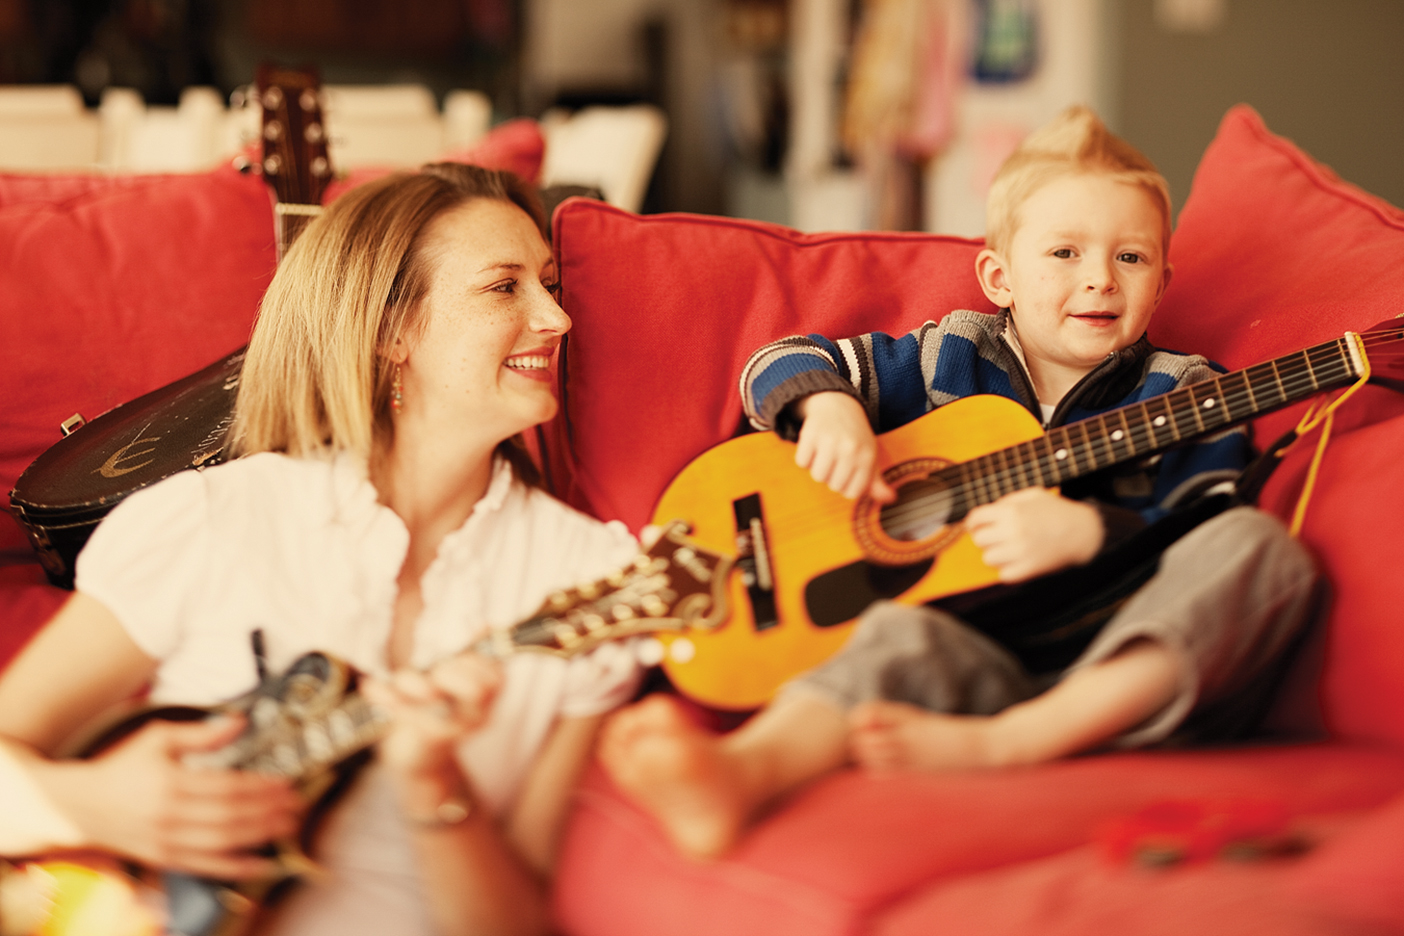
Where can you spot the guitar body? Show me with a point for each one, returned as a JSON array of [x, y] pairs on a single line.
[[828, 559]]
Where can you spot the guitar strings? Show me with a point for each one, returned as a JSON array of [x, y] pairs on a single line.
[[965, 493], [971, 491]]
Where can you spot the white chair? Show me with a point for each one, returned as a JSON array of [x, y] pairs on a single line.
[[467, 118], [46, 128], [611, 148], [381, 125], [137, 138]]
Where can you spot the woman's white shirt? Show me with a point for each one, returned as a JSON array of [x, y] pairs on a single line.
[[303, 550]]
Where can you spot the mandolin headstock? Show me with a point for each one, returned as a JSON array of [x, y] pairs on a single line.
[[675, 585]]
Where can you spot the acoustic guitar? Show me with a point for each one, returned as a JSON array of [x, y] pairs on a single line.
[[310, 725], [809, 560]]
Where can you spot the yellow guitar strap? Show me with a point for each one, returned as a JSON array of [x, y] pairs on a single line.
[[1321, 413]]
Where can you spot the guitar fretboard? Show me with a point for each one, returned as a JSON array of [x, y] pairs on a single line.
[[1124, 434]]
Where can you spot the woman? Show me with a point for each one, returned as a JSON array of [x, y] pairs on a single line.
[[382, 512]]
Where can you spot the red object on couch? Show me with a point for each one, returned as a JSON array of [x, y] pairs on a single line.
[[1270, 255]]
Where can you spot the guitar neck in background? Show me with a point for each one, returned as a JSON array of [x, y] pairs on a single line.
[[1150, 426], [295, 162]]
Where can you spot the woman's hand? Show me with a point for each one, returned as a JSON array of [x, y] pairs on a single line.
[[433, 711], [837, 445], [139, 799], [1033, 532]]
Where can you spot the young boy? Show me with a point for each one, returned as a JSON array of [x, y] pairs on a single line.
[[1078, 224]]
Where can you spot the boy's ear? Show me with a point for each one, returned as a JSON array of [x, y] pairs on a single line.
[[992, 272], [1164, 283]]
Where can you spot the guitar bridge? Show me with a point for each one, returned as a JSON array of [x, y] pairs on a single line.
[[753, 559]]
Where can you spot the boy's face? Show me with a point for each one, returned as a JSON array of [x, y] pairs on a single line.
[[1084, 271]]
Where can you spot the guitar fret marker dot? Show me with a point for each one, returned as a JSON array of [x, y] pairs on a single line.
[[1209, 403], [1060, 454], [1158, 421], [1117, 435], [682, 650]]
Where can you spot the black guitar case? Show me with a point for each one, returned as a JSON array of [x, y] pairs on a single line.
[[68, 489]]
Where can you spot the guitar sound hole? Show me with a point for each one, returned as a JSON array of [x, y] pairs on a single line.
[[922, 507]]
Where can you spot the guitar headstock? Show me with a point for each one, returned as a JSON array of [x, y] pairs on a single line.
[[1384, 344], [676, 585], [295, 161]]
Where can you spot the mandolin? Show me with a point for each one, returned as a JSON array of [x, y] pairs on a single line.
[[310, 725], [809, 560]]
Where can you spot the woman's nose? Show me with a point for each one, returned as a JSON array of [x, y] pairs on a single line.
[[547, 315]]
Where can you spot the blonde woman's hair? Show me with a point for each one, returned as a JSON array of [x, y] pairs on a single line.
[[316, 379], [1076, 142]]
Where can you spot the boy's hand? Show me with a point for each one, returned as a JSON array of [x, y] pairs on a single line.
[[838, 447], [1033, 532]]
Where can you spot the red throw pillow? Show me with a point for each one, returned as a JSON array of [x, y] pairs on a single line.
[[1274, 253], [115, 287], [667, 308]]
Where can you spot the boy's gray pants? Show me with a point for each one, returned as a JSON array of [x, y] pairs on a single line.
[[1229, 600]]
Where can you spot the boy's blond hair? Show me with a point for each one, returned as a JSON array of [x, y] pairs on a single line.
[[316, 378], [1076, 142]]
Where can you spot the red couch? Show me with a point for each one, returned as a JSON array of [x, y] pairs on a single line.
[[1272, 254], [114, 287]]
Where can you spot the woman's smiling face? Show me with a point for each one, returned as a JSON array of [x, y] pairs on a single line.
[[489, 325]]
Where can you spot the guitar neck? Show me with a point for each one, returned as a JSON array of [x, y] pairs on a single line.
[[1151, 426], [295, 162]]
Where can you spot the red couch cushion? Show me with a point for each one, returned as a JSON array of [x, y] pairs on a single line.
[[113, 287], [853, 844], [1350, 880], [1359, 875], [668, 307], [119, 289], [1351, 526], [1274, 253]]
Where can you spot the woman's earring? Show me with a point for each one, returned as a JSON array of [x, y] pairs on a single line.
[[397, 395]]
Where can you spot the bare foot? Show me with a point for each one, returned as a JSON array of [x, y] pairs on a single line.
[[678, 773], [897, 736]]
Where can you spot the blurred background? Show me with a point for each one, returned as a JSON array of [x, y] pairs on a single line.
[[821, 114]]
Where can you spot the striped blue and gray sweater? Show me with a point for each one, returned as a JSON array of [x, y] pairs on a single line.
[[967, 353]]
